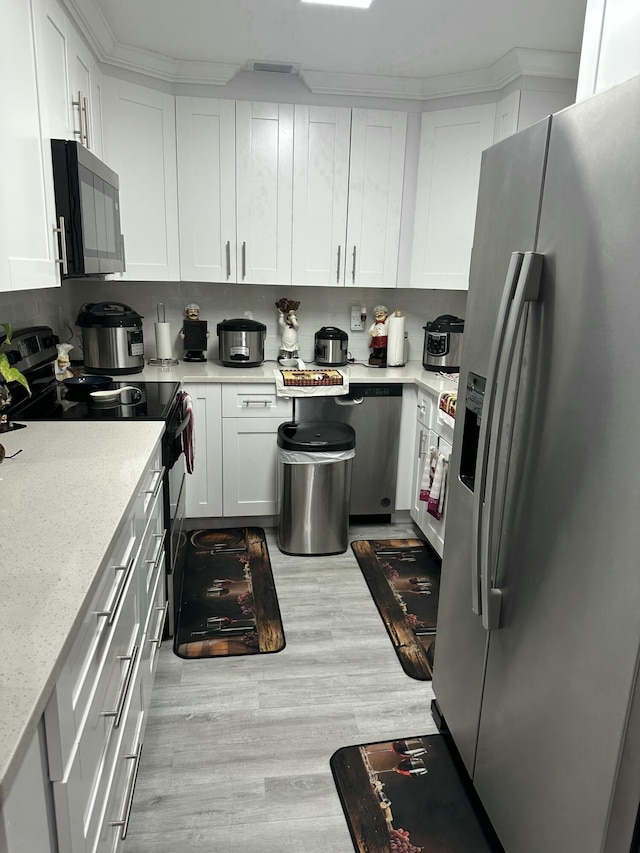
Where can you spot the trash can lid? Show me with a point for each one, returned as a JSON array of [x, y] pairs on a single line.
[[316, 436]]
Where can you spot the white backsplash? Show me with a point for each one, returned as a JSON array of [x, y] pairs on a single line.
[[319, 306]]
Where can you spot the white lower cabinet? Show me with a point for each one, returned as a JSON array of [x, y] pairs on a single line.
[[95, 717], [236, 428], [429, 433]]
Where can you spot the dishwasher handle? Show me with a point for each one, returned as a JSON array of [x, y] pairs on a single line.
[[349, 401]]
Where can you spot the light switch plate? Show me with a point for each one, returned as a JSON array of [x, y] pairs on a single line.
[[358, 317]]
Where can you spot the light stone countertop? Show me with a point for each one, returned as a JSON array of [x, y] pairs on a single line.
[[62, 502], [213, 371]]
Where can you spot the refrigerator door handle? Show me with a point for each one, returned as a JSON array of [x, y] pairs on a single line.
[[527, 290], [515, 265]]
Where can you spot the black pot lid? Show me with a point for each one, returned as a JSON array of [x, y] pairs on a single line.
[[108, 314], [241, 324], [316, 436], [445, 323], [331, 333]]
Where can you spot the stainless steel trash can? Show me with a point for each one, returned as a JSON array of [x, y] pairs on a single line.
[[314, 487]]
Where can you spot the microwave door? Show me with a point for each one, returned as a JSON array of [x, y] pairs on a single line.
[[91, 221]]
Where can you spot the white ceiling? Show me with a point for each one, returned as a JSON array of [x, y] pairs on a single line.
[[394, 38]]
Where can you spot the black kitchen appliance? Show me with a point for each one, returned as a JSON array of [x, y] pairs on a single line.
[[87, 210], [443, 344], [331, 345], [112, 338], [241, 342], [33, 351]]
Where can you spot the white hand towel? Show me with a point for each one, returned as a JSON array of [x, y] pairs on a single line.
[[188, 434]]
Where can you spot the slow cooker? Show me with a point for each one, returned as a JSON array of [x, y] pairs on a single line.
[[241, 342], [443, 343], [112, 340], [331, 346]]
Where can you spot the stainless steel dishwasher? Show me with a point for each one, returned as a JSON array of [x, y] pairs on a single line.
[[373, 410]]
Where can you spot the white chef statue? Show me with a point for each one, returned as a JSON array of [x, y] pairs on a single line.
[[288, 323], [379, 332]]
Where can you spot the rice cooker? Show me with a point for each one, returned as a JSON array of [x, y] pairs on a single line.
[[112, 340], [331, 346], [241, 342], [443, 344]]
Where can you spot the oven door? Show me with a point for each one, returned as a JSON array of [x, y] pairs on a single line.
[[174, 504]]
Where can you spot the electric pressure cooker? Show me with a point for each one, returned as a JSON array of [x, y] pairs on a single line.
[[331, 346], [443, 343], [112, 340], [241, 342]]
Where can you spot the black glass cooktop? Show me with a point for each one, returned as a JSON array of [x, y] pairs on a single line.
[[58, 402]]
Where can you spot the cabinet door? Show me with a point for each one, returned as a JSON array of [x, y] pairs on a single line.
[[320, 189], [140, 146], [206, 188], [28, 244], [434, 529], [249, 466], [417, 511], [264, 189], [204, 486], [376, 177], [451, 146]]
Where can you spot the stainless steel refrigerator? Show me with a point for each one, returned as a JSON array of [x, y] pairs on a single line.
[[536, 667]]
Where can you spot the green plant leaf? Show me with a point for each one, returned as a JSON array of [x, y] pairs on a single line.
[[12, 374], [7, 331]]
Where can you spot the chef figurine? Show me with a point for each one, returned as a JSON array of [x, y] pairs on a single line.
[[194, 333], [288, 323], [378, 332], [62, 364]]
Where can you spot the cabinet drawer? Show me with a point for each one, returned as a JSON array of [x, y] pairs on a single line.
[[78, 796], [254, 401], [152, 638], [76, 685], [149, 493], [424, 408], [151, 558]]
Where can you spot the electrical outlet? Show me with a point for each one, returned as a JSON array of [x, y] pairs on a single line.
[[358, 318]]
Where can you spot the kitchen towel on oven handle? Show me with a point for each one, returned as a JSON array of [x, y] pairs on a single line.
[[433, 486], [187, 428]]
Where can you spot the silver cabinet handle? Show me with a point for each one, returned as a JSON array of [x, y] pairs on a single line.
[[117, 599], [78, 105], [156, 486], [128, 805], [62, 260], [527, 290], [423, 435], [515, 264], [85, 113], [155, 560], [124, 687], [338, 266], [353, 270], [263, 403], [164, 610], [244, 261], [228, 258]]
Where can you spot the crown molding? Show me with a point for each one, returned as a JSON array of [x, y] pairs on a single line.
[[518, 62]]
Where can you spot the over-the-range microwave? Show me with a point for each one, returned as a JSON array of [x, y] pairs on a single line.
[[87, 210]]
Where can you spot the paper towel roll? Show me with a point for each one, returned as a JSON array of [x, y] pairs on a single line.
[[395, 341], [163, 340]]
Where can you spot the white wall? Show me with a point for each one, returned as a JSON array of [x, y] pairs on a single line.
[[319, 306]]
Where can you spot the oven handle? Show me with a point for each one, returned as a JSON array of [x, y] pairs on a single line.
[[183, 425]]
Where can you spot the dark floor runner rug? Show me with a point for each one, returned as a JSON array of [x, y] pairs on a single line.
[[228, 604], [407, 795], [403, 576]]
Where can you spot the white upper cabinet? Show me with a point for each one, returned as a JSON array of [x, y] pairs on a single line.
[[206, 130], [322, 140], [376, 180], [347, 196], [235, 176], [72, 81], [140, 146], [264, 187], [28, 243], [451, 146]]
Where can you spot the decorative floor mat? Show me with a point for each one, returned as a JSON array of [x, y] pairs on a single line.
[[407, 796], [403, 576], [227, 605]]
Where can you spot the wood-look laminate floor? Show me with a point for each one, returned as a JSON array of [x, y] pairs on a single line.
[[236, 753]]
